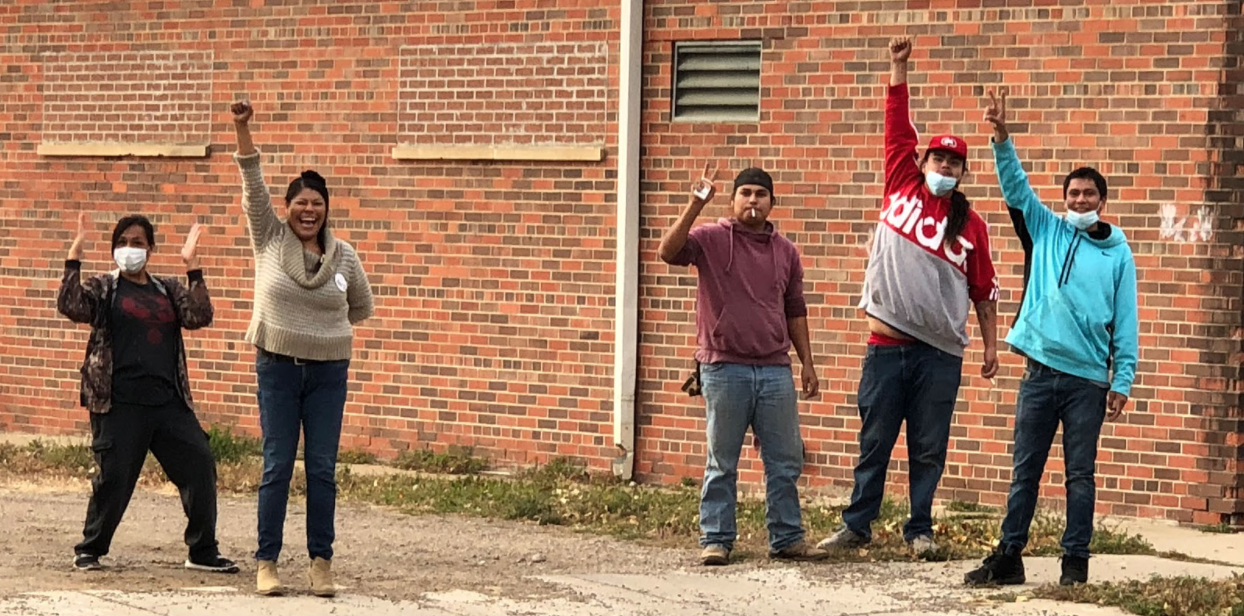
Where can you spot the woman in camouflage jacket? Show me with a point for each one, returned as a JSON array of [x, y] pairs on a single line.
[[135, 385]]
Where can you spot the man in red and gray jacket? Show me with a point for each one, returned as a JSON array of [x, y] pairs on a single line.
[[929, 262], [749, 310]]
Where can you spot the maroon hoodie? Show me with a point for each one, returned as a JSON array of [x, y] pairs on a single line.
[[750, 283]]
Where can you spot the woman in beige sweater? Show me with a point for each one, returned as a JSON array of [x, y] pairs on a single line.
[[310, 289]]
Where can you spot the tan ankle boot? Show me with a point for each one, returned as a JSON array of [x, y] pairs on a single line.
[[267, 582], [321, 574]]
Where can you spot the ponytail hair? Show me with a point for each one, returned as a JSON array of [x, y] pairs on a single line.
[[958, 218]]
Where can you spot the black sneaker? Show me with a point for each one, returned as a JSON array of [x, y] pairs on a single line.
[[86, 562], [998, 568], [1075, 571], [215, 564]]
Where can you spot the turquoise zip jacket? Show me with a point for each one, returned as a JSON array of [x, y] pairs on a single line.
[[1079, 313]]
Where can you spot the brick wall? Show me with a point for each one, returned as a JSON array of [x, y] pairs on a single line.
[[494, 279], [106, 95], [1136, 89]]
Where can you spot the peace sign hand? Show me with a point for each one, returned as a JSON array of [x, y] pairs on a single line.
[[995, 114], [703, 190]]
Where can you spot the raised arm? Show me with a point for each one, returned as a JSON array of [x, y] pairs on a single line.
[[901, 139], [1011, 176], [79, 303], [264, 224], [674, 241], [192, 302]]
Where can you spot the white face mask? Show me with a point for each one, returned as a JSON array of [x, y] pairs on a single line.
[[130, 260], [1082, 221], [939, 184]]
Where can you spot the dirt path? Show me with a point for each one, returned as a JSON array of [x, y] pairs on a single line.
[[388, 562], [379, 552]]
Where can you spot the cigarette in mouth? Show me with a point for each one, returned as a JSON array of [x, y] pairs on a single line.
[[752, 213]]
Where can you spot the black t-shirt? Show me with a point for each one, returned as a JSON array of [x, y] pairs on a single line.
[[144, 345]]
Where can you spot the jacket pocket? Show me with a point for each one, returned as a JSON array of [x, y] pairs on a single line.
[[1065, 333], [764, 336]]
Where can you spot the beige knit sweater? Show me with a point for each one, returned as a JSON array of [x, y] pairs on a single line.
[[297, 314]]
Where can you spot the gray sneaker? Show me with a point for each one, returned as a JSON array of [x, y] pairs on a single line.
[[845, 539], [922, 545]]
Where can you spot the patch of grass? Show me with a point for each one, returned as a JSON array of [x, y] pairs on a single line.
[[1159, 596], [76, 459], [565, 492], [461, 462], [8, 453], [243, 477], [557, 469], [1180, 556], [966, 507], [1221, 527], [1112, 540], [228, 447], [355, 456]]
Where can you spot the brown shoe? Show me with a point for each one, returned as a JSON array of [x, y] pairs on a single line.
[[267, 582], [715, 555], [321, 574], [799, 551]]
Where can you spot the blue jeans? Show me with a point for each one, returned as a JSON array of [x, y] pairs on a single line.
[[1046, 397], [762, 397], [310, 397], [918, 384]]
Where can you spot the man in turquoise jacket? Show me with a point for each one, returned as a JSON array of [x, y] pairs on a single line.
[[1077, 321]]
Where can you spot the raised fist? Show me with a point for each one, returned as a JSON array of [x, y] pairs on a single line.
[[900, 48], [241, 111]]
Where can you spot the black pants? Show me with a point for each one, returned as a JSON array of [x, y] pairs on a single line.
[[122, 438]]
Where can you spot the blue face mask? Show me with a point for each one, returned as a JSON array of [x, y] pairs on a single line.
[[939, 184], [1082, 221]]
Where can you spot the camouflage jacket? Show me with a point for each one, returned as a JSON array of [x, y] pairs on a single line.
[[91, 303]]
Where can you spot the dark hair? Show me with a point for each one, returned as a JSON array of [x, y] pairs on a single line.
[[1083, 173], [124, 224], [314, 181], [959, 206]]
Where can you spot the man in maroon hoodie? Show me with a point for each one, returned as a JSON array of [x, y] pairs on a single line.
[[749, 310]]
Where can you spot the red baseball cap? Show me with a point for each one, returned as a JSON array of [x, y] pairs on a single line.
[[949, 143]]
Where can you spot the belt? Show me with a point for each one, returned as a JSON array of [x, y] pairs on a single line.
[[287, 359]]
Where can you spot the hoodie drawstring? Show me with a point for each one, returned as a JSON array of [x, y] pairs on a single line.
[[730, 259], [1070, 259]]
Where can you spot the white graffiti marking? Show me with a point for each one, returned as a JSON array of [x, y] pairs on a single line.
[[1180, 229]]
